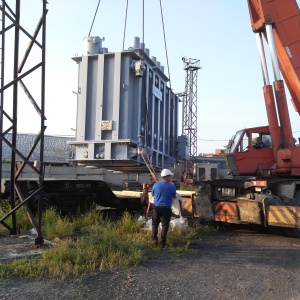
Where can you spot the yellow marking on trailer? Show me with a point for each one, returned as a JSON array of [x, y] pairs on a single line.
[[288, 216], [187, 201], [187, 205]]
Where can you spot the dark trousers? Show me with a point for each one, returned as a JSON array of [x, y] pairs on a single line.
[[161, 214]]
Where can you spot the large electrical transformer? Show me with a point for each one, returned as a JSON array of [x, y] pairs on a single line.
[[124, 106]]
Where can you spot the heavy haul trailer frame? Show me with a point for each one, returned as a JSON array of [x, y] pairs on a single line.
[[68, 197], [267, 203], [74, 196]]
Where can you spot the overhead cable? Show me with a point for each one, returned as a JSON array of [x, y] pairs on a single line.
[[94, 17], [125, 26], [162, 20]]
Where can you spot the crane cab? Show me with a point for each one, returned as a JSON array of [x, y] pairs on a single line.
[[246, 157]]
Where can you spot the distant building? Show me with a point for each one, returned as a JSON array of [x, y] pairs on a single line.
[[219, 151], [210, 168], [221, 162]]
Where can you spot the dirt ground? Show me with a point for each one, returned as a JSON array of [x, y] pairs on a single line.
[[237, 263]]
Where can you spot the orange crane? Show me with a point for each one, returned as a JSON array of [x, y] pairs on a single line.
[[265, 188], [278, 21]]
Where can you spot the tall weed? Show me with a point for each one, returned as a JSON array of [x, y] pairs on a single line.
[[103, 245], [54, 225], [23, 221], [198, 230]]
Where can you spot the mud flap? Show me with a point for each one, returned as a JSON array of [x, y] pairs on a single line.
[[249, 211], [202, 207]]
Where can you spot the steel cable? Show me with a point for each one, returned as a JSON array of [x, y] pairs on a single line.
[[125, 26], [166, 50], [94, 17]]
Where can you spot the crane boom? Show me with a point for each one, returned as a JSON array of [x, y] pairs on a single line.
[[279, 22], [284, 16]]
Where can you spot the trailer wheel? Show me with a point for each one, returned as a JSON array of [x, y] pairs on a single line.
[[292, 232]]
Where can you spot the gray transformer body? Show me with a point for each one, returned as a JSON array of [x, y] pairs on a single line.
[[122, 108]]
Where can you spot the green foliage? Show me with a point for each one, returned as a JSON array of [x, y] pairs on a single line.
[[5, 206], [6, 161], [90, 218], [101, 245], [21, 216], [198, 230], [127, 224], [223, 154], [18, 268], [106, 245], [178, 240], [55, 226]]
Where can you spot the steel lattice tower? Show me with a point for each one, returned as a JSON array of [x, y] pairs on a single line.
[[189, 122], [13, 35]]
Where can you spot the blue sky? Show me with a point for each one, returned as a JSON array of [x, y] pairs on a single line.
[[217, 32]]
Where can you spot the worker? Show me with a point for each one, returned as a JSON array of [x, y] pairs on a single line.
[[259, 143], [163, 192]]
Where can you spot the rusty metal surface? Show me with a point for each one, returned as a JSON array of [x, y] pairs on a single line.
[[249, 211]]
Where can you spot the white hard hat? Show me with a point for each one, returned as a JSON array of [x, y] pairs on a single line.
[[166, 172]]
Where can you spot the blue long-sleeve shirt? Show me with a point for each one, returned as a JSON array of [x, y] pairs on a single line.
[[163, 193]]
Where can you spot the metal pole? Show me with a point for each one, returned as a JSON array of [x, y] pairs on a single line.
[[2, 83], [271, 42], [39, 240], [15, 120], [262, 58]]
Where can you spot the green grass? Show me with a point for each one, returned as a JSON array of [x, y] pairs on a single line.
[[21, 216], [198, 230], [90, 243], [55, 226]]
